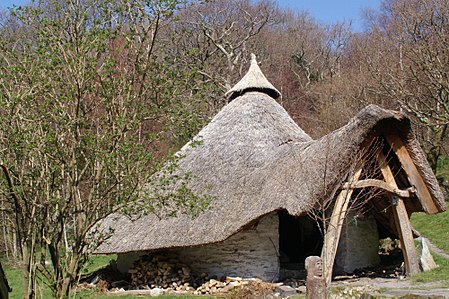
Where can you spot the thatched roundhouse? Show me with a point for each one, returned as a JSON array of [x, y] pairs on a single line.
[[266, 177]]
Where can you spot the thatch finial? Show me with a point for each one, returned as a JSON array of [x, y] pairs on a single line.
[[254, 80], [253, 59]]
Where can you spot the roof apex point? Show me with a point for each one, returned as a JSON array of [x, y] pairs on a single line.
[[253, 58], [254, 80]]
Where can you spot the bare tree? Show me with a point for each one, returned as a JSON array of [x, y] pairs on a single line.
[[216, 37], [411, 65]]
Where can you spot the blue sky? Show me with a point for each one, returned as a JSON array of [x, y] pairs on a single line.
[[331, 11], [325, 11]]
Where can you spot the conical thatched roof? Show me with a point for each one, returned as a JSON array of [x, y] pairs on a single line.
[[254, 160], [254, 80]]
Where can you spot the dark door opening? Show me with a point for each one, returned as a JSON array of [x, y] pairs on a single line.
[[299, 237]]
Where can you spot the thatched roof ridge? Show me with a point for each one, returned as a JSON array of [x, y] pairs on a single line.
[[254, 160], [254, 80]]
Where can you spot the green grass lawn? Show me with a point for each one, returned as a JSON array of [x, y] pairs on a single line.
[[439, 274], [436, 229], [14, 280], [14, 276], [433, 227]]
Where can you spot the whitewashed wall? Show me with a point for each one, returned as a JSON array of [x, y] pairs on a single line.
[[359, 244], [251, 253]]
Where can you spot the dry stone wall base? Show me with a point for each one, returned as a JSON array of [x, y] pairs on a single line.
[[253, 252]]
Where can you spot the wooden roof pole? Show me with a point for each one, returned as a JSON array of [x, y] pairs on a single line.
[[409, 192], [401, 220], [413, 174], [333, 232]]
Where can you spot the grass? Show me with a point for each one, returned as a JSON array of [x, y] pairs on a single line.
[[436, 229], [433, 227], [97, 261], [14, 277], [439, 274]]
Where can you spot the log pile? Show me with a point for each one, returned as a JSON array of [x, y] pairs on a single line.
[[163, 272], [170, 274]]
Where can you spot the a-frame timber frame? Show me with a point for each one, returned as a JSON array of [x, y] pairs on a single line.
[[396, 196]]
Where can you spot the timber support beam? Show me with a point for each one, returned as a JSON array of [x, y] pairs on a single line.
[[332, 236], [401, 219], [409, 192]]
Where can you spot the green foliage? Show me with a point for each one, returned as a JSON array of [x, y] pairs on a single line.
[[442, 173], [443, 167]]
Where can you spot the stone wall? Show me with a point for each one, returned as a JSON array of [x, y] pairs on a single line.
[[253, 252], [359, 244], [250, 253]]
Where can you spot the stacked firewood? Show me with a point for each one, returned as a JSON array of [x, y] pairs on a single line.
[[164, 272], [168, 273]]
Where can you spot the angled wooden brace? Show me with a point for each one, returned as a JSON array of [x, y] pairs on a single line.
[[402, 222], [333, 232]]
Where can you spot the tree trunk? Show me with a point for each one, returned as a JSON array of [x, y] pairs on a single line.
[[70, 276], [25, 274]]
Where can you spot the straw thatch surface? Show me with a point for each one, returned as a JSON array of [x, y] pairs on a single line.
[[254, 160], [254, 80]]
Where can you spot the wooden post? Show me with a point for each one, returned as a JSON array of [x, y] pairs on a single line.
[[315, 283], [333, 232], [413, 174], [401, 220]]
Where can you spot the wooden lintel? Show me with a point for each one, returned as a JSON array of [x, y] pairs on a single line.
[[413, 174], [409, 192], [402, 222], [332, 236]]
